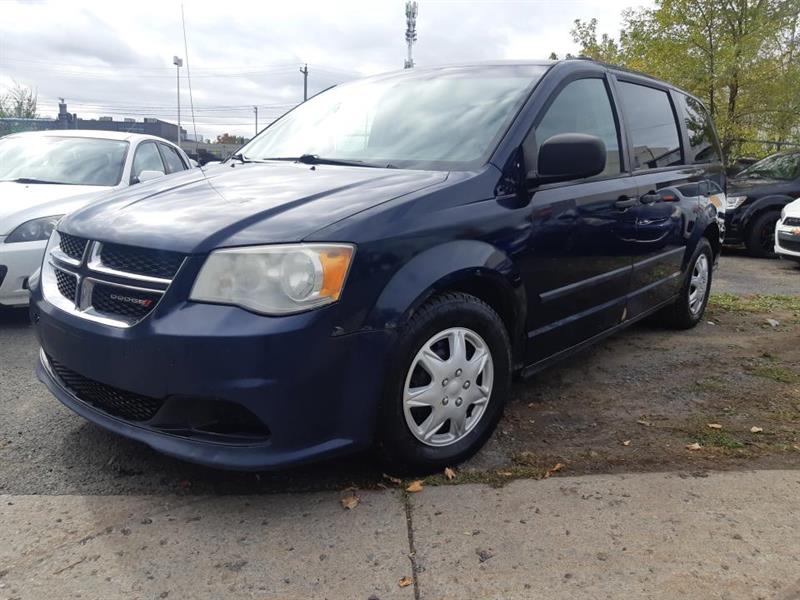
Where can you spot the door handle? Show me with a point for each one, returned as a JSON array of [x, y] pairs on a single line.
[[650, 198], [626, 202]]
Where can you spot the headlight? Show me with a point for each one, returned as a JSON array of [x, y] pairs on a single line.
[[34, 230], [735, 201], [275, 280]]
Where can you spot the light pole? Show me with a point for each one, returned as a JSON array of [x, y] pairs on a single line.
[[304, 71], [178, 62]]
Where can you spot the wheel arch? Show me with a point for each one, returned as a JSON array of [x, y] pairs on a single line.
[[757, 208], [469, 266]]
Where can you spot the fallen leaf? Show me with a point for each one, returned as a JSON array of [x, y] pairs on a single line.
[[796, 447], [626, 443], [449, 474], [394, 480], [755, 429], [415, 486], [772, 323], [405, 581], [505, 473], [714, 426], [350, 501], [643, 422], [554, 469], [694, 446]]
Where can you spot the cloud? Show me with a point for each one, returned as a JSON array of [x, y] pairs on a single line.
[[111, 58]]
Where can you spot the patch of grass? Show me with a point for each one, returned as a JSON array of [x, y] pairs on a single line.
[[775, 373], [495, 479], [711, 384], [758, 303], [718, 439]]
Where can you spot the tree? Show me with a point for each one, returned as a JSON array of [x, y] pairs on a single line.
[[741, 57], [605, 50], [19, 102]]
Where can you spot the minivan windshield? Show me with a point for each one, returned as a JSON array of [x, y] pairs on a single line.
[[61, 159], [448, 118], [785, 167]]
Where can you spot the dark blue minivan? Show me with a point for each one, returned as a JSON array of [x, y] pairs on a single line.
[[374, 267]]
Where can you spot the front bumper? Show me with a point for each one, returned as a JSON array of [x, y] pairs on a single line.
[[733, 233], [20, 261], [316, 393], [787, 241]]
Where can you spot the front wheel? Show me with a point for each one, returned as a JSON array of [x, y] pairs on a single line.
[[688, 309], [448, 385], [760, 240]]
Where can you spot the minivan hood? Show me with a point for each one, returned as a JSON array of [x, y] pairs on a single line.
[[242, 204], [21, 202]]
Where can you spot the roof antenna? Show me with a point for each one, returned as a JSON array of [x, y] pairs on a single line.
[[189, 78]]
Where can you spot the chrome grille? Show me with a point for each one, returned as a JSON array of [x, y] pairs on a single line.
[[110, 283], [141, 261], [72, 246], [67, 284], [111, 300]]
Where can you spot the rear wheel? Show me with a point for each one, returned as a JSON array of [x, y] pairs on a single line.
[[449, 382], [688, 309], [760, 240]]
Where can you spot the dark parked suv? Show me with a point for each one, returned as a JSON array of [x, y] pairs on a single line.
[[376, 265], [756, 197]]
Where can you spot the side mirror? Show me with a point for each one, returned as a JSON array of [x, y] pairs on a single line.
[[570, 156], [149, 176]]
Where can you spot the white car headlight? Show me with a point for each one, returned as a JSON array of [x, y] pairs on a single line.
[[34, 230], [735, 201], [275, 280]]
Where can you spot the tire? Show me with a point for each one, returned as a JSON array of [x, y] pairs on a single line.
[[760, 240], [450, 387], [687, 311]]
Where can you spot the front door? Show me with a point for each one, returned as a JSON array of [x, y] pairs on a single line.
[[578, 259]]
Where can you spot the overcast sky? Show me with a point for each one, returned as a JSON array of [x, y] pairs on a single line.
[[115, 58]]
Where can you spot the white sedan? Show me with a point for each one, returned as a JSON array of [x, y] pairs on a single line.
[[787, 232], [47, 174]]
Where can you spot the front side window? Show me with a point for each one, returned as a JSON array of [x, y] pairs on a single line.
[[785, 167], [651, 123], [583, 106], [147, 158], [447, 118], [62, 159], [703, 146], [172, 159]]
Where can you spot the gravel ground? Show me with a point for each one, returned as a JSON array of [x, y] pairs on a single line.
[[653, 388], [741, 274]]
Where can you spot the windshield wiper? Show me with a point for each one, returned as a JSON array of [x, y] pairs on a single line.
[[315, 159], [33, 180]]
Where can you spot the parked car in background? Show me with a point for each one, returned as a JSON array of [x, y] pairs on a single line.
[[377, 263], [756, 197], [787, 232], [45, 175]]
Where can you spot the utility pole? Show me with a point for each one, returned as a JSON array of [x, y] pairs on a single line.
[[304, 71], [411, 31], [178, 62], [255, 110]]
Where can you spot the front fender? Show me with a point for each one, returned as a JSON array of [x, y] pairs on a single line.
[[776, 202], [440, 268]]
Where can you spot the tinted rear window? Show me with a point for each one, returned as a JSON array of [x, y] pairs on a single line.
[[651, 123], [703, 147]]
